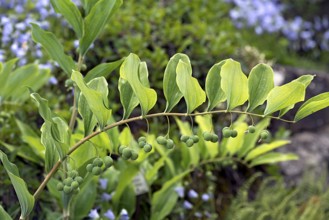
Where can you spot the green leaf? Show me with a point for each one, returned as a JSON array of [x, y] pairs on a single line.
[[97, 102], [213, 90], [260, 83], [234, 83], [89, 120], [24, 152], [284, 96], [273, 157], [88, 5], [42, 104], [170, 88], [129, 71], [193, 94], [233, 145], [4, 74], [103, 69], [51, 154], [53, 48], [26, 200], [127, 97], [4, 215], [264, 148], [71, 13], [312, 105], [164, 200], [306, 80], [95, 21]]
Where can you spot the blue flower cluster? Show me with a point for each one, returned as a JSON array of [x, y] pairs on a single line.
[[267, 16]]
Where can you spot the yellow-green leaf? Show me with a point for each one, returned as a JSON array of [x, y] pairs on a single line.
[[312, 105], [234, 83], [4, 215], [273, 157], [264, 148], [53, 47], [284, 96], [103, 69], [170, 88], [129, 71], [260, 83], [190, 88], [214, 92], [96, 100]]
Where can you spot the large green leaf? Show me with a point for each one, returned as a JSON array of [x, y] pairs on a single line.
[[260, 83], [103, 69], [284, 96], [89, 120], [264, 148], [97, 102], [4, 74], [26, 200], [88, 5], [273, 157], [234, 83], [53, 48], [4, 215], [306, 80], [71, 13], [95, 21], [214, 92], [42, 104], [312, 105], [129, 71], [127, 97], [170, 88], [190, 88]]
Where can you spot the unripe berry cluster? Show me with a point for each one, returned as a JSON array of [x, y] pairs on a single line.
[[143, 144], [96, 167], [228, 132], [207, 136], [166, 142], [71, 183], [189, 140], [127, 153]]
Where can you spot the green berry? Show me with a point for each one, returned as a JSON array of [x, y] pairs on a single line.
[[170, 144], [89, 167], [96, 171], [67, 189], [226, 132], [98, 162], [234, 133], [121, 148], [184, 138], [75, 184], [134, 155], [161, 140], [214, 138], [207, 136], [251, 129], [195, 138], [108, 161], [147, 148], [141, 144], [73, 173], [190, 142], [60, 186], [68, 181], [79, 179], [126, 153], [142, 139], [264, 134]]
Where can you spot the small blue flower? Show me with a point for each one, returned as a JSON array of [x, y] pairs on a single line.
[[205, 197], [198, 214], [180, 191], [106, 197], [187, 205], [109, 214], [192, 194], [93, 214], [124, 215], [103, 183], [53, 81]]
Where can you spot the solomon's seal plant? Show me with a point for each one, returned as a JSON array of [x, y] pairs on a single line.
[[72, 156]]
